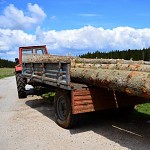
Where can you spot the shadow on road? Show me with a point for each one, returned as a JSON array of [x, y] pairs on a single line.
[[132, 132], [43, 106]]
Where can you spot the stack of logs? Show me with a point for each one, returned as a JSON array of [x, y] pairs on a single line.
[[132, 77]]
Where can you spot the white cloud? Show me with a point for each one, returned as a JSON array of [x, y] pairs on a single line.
[[77, 41], [90, 38], [10, 40], [13, 18]]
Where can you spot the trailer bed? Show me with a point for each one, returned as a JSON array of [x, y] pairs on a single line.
[[54, 74]]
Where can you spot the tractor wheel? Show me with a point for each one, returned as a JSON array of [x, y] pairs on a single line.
[[20, 85], [63, 110]]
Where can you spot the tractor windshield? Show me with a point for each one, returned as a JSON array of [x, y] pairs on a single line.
[[28, 53], [33, 51]]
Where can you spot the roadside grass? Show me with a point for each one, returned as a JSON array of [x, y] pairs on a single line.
[[142, 111], [6, 72], [144, 108]]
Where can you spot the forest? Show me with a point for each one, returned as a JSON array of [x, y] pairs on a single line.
[[6, 63], [134, 54]]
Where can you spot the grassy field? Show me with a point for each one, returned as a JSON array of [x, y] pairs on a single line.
[[6, 72]]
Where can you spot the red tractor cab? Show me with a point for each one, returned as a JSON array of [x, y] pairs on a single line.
[[28, 50], [24, 53]]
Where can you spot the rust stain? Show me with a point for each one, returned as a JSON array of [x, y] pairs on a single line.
[[131, 74], [91, 99], [127, 90], [137, 66], [144, 90]]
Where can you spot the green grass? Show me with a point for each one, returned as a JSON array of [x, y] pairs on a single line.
[[142, 112], [143, 108], [49, 96], [6, 72]]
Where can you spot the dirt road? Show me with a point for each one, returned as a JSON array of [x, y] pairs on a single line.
[[29, 124]]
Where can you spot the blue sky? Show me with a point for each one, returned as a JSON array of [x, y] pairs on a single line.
[[74, 26], [74, 14]]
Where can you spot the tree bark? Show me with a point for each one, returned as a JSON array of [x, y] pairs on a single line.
[[127, 67], [110, 61], [130, 82], [47, 59], [55, 58]]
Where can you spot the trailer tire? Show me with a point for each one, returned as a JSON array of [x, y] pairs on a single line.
[[63, 110], [20, 85]]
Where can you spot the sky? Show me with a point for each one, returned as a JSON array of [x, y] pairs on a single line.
[[73, 27]]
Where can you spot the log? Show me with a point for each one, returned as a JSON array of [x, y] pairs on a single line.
[[118, 64], [131, 77], [127, 67], [110, 61], [131, 82], [55, 58], [47, 59]]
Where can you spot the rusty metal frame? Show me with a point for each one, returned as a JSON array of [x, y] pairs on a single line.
[[89, 99], [54, 74]]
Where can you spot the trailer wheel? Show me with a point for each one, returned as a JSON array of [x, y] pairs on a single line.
[[63, 110], [20, 86]]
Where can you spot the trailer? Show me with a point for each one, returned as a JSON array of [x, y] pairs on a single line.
[[73, 96]]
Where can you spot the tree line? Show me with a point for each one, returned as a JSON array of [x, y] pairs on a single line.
[[6, 63], [134, 54]]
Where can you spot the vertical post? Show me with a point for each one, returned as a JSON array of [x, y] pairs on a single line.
[[68, 74]]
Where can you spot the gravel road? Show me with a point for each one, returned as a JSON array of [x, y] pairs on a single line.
[[28, 124]]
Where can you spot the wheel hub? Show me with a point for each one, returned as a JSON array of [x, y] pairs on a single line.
[[62, 108]]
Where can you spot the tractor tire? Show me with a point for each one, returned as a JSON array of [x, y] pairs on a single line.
[[63, 110], [20, 85]]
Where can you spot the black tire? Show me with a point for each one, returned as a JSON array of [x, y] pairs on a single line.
[[63, 110], [20, 85]]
